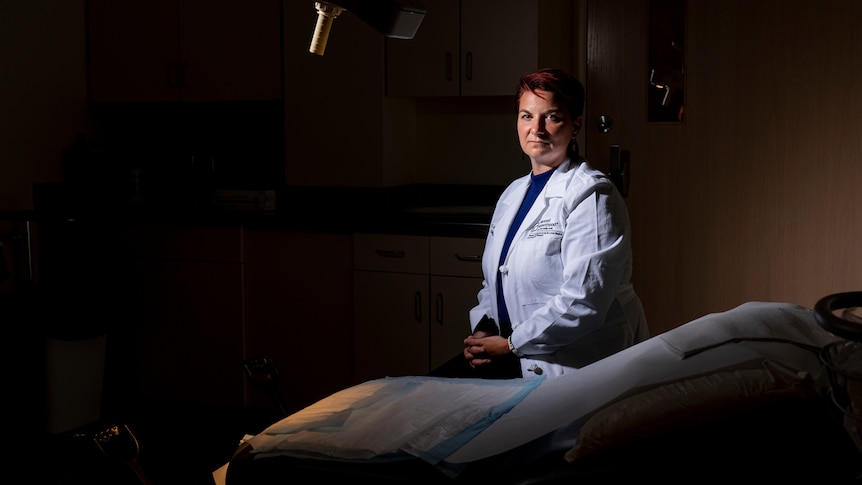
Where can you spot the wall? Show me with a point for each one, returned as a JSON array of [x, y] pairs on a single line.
[[468, 141], [42, 93], [333, 103], [755, 195], [779, 112]]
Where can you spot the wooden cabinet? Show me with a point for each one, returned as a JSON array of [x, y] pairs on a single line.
[[481, 47], [412, 295], [456, 278], [191, 50], [209, 297], [188, 310], [299, 308], [331, 309], [390, 306]]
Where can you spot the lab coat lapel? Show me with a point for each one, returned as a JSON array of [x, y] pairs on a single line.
[[512, 203], [554, 188]]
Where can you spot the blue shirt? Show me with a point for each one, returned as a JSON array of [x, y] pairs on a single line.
[[537, 183]]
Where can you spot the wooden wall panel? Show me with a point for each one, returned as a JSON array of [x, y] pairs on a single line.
[[756, 195]]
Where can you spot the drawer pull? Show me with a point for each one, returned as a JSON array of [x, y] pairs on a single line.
[[390, 253], [469, 258], [439, 317]]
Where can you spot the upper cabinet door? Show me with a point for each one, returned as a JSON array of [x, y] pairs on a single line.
[[429, 63], [481, 47], [193, 50], [133, 50], [499, 44], [230, 50]]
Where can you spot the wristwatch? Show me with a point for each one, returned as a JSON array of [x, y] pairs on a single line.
[[512, 348]]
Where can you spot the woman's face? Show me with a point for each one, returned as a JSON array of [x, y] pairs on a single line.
[[545, 130]]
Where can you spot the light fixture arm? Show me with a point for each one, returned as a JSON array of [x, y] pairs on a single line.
[[397, 19], [326, 13]]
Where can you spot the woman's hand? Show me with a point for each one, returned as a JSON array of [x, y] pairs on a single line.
[[480, 348]]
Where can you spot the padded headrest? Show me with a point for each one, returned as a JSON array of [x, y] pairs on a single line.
[[824, 313]]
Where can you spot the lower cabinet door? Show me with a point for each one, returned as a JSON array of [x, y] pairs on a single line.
[[190, 332], [390, 331], [452, 298]]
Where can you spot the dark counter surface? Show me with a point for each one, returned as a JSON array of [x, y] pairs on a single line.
[[422, 209]]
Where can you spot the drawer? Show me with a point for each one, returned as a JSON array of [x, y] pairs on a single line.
[[456, 256], [391, 253]]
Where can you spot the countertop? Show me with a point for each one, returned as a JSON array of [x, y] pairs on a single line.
[[426, 209]]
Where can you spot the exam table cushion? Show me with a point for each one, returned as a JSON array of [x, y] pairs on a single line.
[[688, 403], [698, 399]]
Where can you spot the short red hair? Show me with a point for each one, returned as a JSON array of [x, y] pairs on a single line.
[[565, 88]]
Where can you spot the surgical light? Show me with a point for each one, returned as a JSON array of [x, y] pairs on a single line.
[[398, 19]]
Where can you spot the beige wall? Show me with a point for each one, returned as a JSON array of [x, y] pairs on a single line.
[[334, 102], [756, 195], [42, 93]]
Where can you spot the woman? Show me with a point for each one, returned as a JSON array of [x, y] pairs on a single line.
[[557, 262]]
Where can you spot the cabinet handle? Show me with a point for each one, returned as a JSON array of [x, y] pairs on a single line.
[[417, 306], [469, 66], [439, 316], [448, 66], [390, 253], [184, 77], [172, 75], [469, 258]]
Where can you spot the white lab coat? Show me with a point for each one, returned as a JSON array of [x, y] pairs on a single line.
[[566, 278]]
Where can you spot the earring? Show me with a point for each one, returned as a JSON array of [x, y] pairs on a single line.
[[574, 149]]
